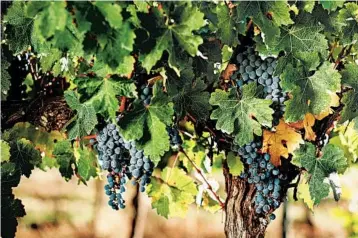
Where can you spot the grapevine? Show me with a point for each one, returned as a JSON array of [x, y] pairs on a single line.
[[162, 95]]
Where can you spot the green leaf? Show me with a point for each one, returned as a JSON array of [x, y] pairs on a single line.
[[235, 164], [25, 156], [181, 31], [19, 27], [243, 116], [172, 193], [227, 29], [5, 151], [348, 20], [49, 60], [10, 176], [65, 158], [308, 5], [5, 77], [87, 164], [51, 18], [331, 5], [86, 116], [148, 124], [302, 43], [332, 160], [112, 13], [257, 11], [350, 98], [116, 47], [101, 93], [195, 151], [311, 94], [188, 95]]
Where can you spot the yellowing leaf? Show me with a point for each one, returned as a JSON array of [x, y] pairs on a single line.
[[347, 140], [304, 194], [281, 142], [230, 69], [235, 164], [308, 122]]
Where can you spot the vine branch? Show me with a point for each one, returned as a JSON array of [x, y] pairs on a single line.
[[198, 170]]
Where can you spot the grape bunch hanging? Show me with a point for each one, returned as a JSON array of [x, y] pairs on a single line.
[[254, 69], [123, 161], [258, 168]]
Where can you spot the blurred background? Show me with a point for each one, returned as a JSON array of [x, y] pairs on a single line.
[[56, 208]]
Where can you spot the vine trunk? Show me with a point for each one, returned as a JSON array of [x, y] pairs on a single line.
[[241, 220]]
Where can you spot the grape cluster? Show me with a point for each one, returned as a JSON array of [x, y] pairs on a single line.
[[254, 69], [123, 160], [175, 139], [264, 175], [114, 189], [146, 95]]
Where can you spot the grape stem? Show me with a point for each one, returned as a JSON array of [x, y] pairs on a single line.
[[123, 104], [89, 137], [198, 170]]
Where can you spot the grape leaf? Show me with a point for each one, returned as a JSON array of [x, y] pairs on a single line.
[[188, 95], [18, 27], [243, 116], [5, 151], [86, 163], [112, 13], [311, 94], [25, 156], [308, 5], [148, 124], [281, 142], [308, 123], [347, 140], [302, 42], [195, 151], [228, 30], [86, 118], [348, 20], [44, 141], [332, 160], [235, 164], [181, 31], [5, 77], [116, 48], [48, 60], [51, 18], [11, 209], [259, 11], [10, 177], [331, 5], [210, 204], [65, 158], [172, 193], [304, 193], [101, 93], [350, 99]]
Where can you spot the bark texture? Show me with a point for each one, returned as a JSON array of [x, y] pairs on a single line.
[[241, 220], [51, 113]]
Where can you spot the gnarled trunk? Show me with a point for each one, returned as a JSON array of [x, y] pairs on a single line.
[[241, 219]]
